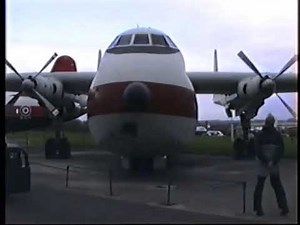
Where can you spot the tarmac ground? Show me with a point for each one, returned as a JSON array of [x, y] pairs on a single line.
[[197, 189]]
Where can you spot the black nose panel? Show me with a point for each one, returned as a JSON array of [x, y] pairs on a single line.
[[137, 96]]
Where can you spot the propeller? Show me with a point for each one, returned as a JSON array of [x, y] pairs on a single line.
[[13, 100], [29, 85], [287, 106], [268, 83], [99, 58]]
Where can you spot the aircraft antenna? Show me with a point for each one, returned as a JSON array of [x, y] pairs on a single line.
[[215, 61]]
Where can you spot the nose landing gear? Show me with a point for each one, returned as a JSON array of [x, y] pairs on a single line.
[[58, 147]]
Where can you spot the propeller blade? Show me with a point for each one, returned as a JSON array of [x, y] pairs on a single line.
[[13, 69], [287, 106], [286, 66], [249, 63], [47, 63], [14, 99], [48, 105], [99, 58]]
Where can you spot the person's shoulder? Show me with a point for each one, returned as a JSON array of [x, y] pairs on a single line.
[[278, 133]]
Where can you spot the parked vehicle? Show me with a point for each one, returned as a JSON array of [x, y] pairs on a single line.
[[214, 133], [200, 130]]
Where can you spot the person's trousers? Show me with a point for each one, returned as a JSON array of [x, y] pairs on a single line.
[[278, 189]]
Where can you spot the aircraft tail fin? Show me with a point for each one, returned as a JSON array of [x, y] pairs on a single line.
[[64, 63]]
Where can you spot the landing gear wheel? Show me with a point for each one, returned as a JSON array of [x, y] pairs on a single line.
[[64, 149], [57, 148], [49, 148], [143, 164]]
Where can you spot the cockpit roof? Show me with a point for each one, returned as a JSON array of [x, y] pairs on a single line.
[[142, 40], [142, 30]]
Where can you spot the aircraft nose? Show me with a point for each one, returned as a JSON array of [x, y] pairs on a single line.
[[268, 87], [137, 96], [27, 85]]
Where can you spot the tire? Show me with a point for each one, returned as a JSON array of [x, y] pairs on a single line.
[[49, 148], [64, 149], [141, 164]]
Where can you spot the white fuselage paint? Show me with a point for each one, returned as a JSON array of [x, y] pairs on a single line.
[[143, 67]]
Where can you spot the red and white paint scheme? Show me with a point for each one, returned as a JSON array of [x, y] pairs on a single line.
[[25, 114], [141, 102]]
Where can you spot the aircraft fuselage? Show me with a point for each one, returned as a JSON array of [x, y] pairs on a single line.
[[141, 102]]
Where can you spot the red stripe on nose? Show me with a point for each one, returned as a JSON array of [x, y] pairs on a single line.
[[162, 99]]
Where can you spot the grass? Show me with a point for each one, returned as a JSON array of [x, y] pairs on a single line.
[[80, 140], [207, 145], [37, 139]]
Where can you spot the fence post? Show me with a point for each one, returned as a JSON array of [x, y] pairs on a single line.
[[169, 192], [169, 180], [110, 182], [67, 176], [244, 196]]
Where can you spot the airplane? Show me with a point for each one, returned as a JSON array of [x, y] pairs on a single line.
[[141, 96], [23, 113]]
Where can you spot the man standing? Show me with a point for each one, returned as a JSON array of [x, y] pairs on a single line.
[[269, 148]]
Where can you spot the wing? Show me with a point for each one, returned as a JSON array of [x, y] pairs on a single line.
[[227, 82], [73, 82]]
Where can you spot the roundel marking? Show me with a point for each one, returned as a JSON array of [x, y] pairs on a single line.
[[25, 111]]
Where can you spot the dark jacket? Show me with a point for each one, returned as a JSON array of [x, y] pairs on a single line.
[[269, 140]]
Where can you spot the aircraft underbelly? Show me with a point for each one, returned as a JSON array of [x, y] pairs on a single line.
[[142, 134]]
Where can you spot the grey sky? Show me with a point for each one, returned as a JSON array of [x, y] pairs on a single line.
[[266, 30]]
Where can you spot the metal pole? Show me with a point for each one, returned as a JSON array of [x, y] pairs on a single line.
[[169, 181], [244, 196], [231, 130], [110, 183], [27, 141], [168, 198], [67, 176]]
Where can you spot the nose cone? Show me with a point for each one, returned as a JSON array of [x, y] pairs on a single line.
[[137, 96], [27, 85], [268, 87]]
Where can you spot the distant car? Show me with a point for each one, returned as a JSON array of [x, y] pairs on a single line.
[[200, 130], [214, 133]]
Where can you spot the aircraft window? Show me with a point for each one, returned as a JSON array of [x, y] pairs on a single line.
[[124, 40], [141, 39], [113, 43], [158, 40], [170, 42]]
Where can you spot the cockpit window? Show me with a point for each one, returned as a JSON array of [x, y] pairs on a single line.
[[170, 42], [124, 40], [158, 40], [141, 39], [113, 43]]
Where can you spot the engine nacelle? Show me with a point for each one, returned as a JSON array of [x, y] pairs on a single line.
[[249, 87], [72, 112], [51, 89]]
